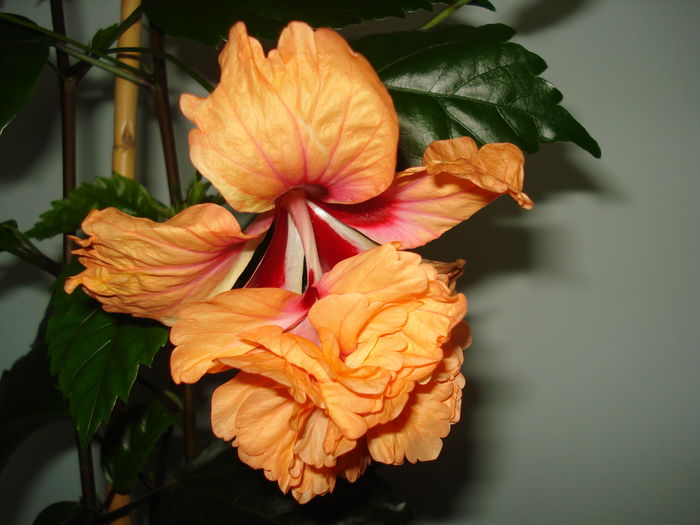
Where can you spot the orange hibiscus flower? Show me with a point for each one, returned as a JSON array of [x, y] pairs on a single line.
[[364, 365], [307, 137]]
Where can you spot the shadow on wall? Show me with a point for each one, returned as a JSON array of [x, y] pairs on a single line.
[[495, 242], [34, 462], [543, 13], [19, 274], [28, 134]]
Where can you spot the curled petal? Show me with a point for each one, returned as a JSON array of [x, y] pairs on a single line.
[[151, 269], [456, 181], [311, 114], [495, 168]]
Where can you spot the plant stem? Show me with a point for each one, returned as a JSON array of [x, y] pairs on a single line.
[[189, 422], [165, 121], [67, 89], [444, 14], [87, 474]]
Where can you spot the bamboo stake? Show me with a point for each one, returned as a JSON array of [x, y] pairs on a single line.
[[125, 101], [124, 155]]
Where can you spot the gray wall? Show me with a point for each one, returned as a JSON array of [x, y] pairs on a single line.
[[582, 404]]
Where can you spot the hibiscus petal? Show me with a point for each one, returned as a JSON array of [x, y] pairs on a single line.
[[416, 434], [311, 114], [149, 269], [300, 355], [457, 180], [344, 315], [208, 331], [295, 445], [383, 274], [258, 415]]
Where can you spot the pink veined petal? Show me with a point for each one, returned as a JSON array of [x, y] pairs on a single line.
[[335, 240], [149, 269], [310, 114], [457, 181]]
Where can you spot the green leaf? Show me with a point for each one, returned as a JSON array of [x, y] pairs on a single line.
[[22, 57], [124, 194], [96, 354], [29, 400], [15, 242], [64, 513], [198, 192], [104, 37], [457, 80], [482, 3], [130, 441], [208, 21], [216, 488]]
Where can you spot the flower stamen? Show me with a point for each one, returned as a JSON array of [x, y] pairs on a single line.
[[294, 202]]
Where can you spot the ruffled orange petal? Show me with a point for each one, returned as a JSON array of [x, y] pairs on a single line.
[[383, 274], [149, 269], [373, 362], [311, 114], [345, 316], [209, 331], [456, 181], [259, 418], [294, 444], [416, 434]]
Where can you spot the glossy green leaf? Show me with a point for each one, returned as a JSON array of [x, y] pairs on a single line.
[[15, 242], [29, 400], [22, 57], [127, 195], [457, 80], [208, 21], [130, 441], [217, 489], [96, 355], [64, 513]]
